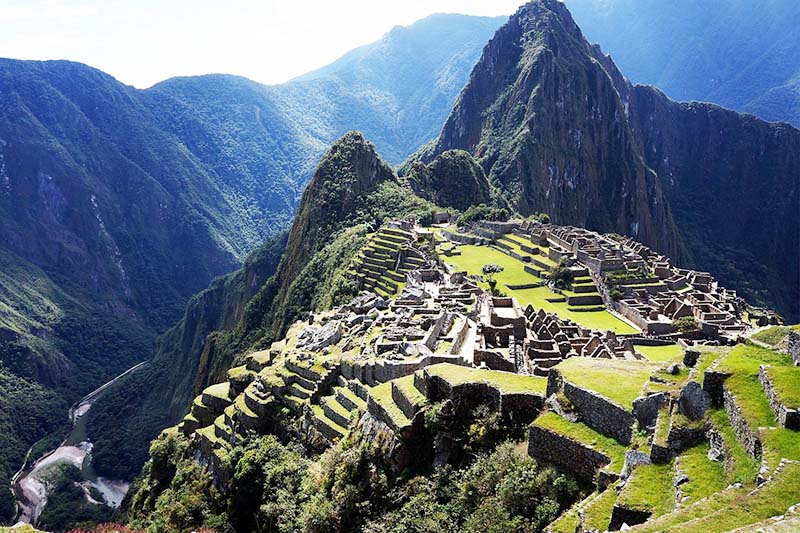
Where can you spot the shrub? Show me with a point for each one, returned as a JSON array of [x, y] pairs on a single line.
[[686, 324], [483, 212]]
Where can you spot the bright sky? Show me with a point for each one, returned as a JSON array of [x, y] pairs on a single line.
[[141, 42]]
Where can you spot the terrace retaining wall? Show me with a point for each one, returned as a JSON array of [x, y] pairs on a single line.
[[744, 434], [793, 340], [788, 418], [599, 413], [565, 453]]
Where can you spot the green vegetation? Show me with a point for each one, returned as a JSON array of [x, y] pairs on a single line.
[[661, 354], [650, 489], [618, 380], [686, 324], [597, 514], [382, 394], [740, 467], [507, 382], [734, 508], [582, 433], [483, 212], [67, 505], [28, 412], [473, 258], [273, 487], [743, 364], [706, 477], [774, 335], [786, 381]]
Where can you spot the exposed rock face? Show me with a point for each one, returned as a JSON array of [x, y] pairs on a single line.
[[694, 401], [556, 125]]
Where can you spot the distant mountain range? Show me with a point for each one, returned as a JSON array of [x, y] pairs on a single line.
[[118, 204], [740, 54]]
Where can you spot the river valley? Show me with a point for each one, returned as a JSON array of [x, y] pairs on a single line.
[[33, 481]]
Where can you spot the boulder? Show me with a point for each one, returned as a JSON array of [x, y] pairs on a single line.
[[694, 401], [634, 458]]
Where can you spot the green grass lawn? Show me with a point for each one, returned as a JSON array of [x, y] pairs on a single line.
[[739, 466], [597, 514], [382, 394], [743, 364], [786, 381], [582, 433], [618, 380], [779, 443], [507, 382], [661, 354], [705, 476], [735, 509], [650, 488], [473, 258], [775, 334]]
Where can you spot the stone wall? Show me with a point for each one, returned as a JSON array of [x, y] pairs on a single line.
[[744, 434], [460, 337], [599, 413], [788, 418], [551, 447], [714, 385], [793, 340], [646, 409]]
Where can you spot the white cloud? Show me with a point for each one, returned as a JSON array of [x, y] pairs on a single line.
[[144, 41]]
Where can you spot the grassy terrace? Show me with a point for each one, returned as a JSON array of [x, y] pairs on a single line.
[[382, 394], [505, 381], [743, 364], [774, 335], [661, 354], [472, 258], [706, 477], [650, 489], [597, 514], [618, 380], [734, 509], [786, 381], [739, 466], [406, 385], [582, 433]]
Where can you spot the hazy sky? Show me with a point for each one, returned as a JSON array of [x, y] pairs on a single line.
[[141, 42]]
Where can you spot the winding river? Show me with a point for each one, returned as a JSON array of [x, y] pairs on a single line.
[[30, 483]]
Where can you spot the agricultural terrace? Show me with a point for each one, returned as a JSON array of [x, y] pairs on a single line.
[[618, 380], [506, 382]]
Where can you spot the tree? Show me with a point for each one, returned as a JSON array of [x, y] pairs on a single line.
[[686, 324], [489, 271]]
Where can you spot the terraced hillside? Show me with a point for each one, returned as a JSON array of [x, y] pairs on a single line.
[[661, 434], [383, 264]]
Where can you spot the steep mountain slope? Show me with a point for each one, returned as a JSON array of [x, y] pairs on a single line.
[[352, 191], [741, 55], [116, 205], [560, 130]]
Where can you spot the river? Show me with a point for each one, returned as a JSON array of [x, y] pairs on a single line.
[[30, 484]]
